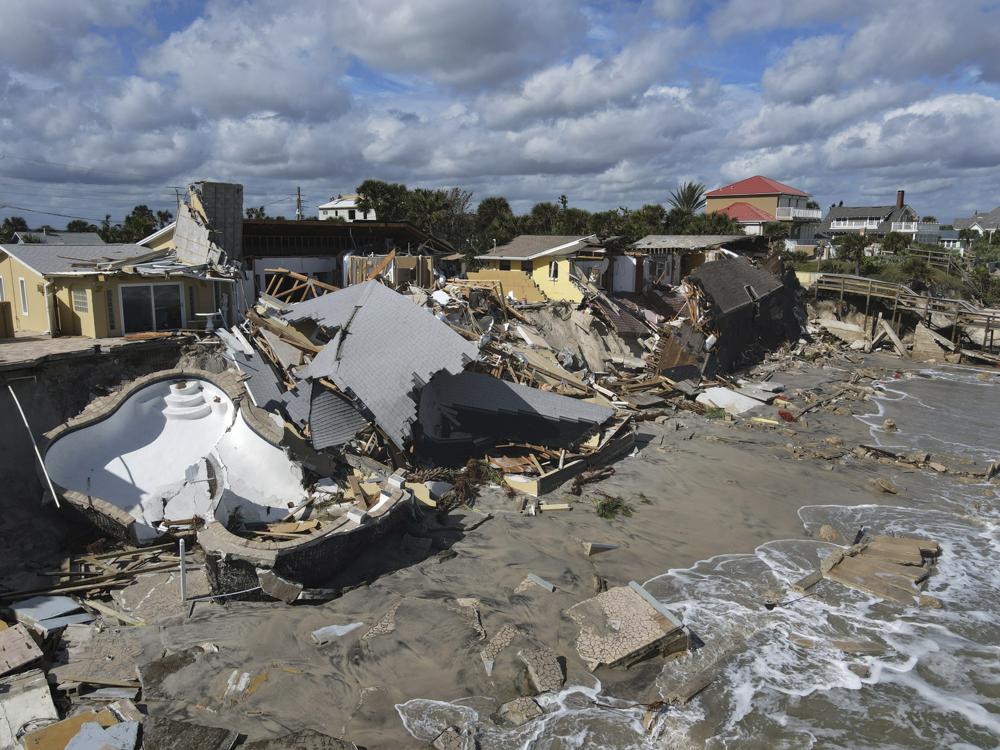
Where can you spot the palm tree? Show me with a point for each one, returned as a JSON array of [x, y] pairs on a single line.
[[689, 197]]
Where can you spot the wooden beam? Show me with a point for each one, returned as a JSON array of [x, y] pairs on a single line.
[[382, 265]]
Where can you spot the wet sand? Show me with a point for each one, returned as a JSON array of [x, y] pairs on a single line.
[[697, 487]]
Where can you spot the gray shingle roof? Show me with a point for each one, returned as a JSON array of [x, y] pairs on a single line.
[[333, 421], [690, 242], [988, 220], [726, 282], [529, 245], [383, 350], [60, 238], [49, 260]]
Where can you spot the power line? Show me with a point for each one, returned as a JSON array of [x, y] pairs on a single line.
[[50, 213]]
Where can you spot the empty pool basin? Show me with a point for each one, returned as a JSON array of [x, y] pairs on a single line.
[[173, 450]]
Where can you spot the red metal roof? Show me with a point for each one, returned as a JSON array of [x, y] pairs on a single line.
[[756, 186], [745, 212]]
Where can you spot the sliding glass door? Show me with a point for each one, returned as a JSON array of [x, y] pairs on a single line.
[[151, 307]]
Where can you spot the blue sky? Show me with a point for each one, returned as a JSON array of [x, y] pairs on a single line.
[[109, 103]]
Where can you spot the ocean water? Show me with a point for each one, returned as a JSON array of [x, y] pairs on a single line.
[[781, 682]]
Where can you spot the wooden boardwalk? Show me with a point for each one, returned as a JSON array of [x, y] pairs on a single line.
[[959, 312]]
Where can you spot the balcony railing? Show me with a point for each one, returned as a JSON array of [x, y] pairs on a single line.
[[904, 226], [788, 212], [854, 224]]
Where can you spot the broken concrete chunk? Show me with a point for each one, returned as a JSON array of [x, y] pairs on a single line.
[[500, 640], [621, 626], [449, 739], [593, 548], [92, 736], [25, 700], [302, 740], [530, 581], [17, 649], [166, 734], [59, 734], [544, 669], [277, 587], [884, 485], [520, 711]]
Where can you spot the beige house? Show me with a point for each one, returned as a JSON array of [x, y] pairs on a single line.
[[101, 290]]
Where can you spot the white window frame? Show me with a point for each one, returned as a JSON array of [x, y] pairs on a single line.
[[554, 270], [73, 299], [3, 292], [121, 303], [22, 287]]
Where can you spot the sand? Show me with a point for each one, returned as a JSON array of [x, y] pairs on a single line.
[[697, 488]]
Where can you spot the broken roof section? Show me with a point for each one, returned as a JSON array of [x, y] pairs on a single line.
[[383, 349], [732, 283]]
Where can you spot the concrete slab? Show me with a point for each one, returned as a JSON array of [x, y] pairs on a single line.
[[622, 625], [24, 698]]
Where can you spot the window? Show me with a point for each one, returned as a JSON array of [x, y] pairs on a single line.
[[80, 303], [109, 299], [504, 265], [3, 295], [23, 289], [350, 215], [527, 266], [191, 301], [554, 270]]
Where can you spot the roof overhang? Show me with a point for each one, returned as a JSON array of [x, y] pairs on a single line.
[[542, 254]]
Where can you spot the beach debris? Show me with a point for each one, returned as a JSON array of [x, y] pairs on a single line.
[[48, 614], [625, 625], [548, 507], [500, 640], [828, 534], [25, 701], [731, 401], [892, 568], [889, 425], [787, 415], [532, 580], [159, 733], [544, 670], [593, 548], [385, 625], [470, 608], [305, 739], [17, 649], [277, 587], [92, 736], [609, 507], [452, 738], [58, 734], [520, 711], [884, 485], [324, 635]]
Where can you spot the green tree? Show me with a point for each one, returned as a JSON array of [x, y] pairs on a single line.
[[10, 225], [776, 233], [79, 225], [573, 221], [256, 212], [895, 243], [930, 219], [141, 222], [711, 223], [387, 199], [494, 222], [688, 198], [650, 219], [851, 247], [163, 218], [543, 219]]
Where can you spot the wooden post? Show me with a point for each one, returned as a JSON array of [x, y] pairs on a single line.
[[183, 571]]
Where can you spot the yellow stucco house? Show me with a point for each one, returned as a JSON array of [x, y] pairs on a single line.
[[547, 261], [100, 290]]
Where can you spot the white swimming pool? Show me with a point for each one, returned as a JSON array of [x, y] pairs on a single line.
[[176, 450]]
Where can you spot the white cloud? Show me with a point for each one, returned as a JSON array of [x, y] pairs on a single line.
[[246, 59], [588, 82], [458, 42]]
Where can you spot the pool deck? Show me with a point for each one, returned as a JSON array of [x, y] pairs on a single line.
[[29, 349]]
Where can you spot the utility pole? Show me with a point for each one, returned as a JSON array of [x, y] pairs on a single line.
[[298, 204]]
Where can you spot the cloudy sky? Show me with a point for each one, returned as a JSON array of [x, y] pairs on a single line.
[[108, 103]]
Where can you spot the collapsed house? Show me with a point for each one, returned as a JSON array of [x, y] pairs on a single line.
[[734, 312]]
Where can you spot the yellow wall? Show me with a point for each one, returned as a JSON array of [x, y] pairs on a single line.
[[767, 203], [11, 269], [561, 288]]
